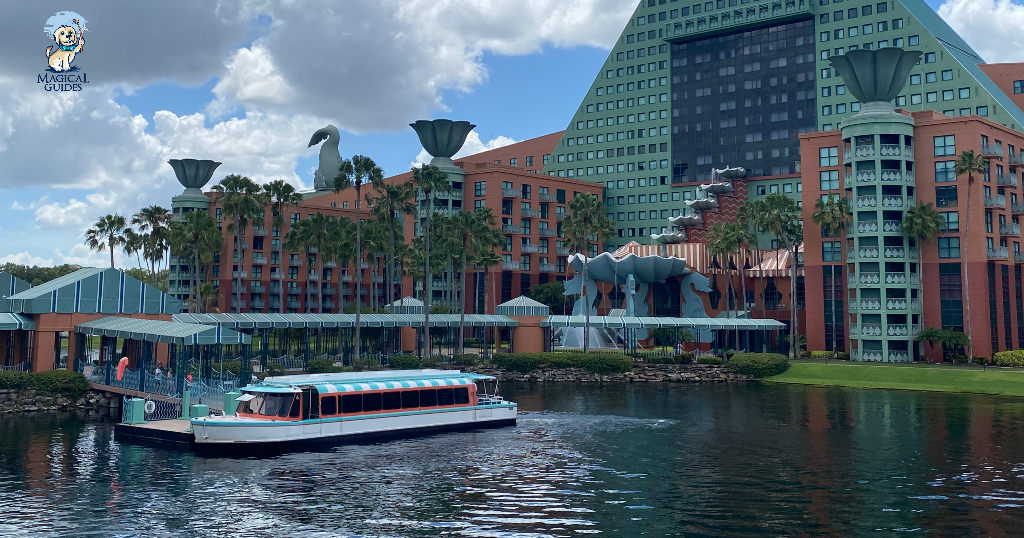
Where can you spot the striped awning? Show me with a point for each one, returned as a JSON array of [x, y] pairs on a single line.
[[775, 263], [170, 332], [327, 388], [695, 254], [652, 322], [329, 321], [16, 322], [762, 263]]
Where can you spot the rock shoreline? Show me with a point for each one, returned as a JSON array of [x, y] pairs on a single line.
[[641, 373], [31, 401]]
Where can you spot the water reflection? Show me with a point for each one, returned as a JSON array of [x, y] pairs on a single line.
[[617, 460]]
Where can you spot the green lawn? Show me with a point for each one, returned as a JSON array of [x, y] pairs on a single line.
[[1005, 381]]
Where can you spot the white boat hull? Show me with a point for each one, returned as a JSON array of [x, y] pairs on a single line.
[[235, 430]]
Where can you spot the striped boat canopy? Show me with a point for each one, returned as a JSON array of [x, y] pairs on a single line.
[[169, 332], [364, 381], [327, 388], [16, 322], [328, 321], [648, 322]]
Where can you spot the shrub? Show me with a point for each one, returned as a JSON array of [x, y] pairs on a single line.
[[404, 362], [825, 354], [605, 363], [1005, 358], [759, 364], [274, 368], [233, 367], [14, 380], [519, 362], [981, 360], [466, 359], [320, 366], [960, 359], [431, 361], [597, 362], [60, 383], [710, 359]]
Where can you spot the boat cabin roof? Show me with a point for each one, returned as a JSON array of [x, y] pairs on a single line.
[[367, 381]]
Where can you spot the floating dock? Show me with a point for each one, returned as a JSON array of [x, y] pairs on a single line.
[[176, 431]]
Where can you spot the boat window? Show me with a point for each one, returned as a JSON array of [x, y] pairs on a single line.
[[329, 405], [428, 397], [371, 402], [285, 404], [410, 399], [445, 397], [462, 395], [392, 400], [294, 412], [352, 403]]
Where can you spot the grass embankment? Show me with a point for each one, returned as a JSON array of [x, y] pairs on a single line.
[[932, 377]]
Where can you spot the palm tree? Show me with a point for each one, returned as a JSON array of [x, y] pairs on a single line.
[[486, 259], [831, 216], [106, 233], [731, 238], [429, 180], [970, 163], [477, 233], [922, 223], [153, 221], [392, 201], [280, 195], [584, 227], [133, 244], [245, 201], [780, 215], [340, 247], [195, 236], [354, 173], [310, 236]]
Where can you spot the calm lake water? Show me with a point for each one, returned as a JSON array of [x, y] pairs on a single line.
[[616, 460]]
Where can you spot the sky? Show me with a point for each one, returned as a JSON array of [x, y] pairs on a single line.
[[247, 82]]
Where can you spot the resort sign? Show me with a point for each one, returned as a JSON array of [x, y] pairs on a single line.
[[66, 30]]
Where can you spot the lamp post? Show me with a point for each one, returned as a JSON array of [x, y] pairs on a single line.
[[359, 263]]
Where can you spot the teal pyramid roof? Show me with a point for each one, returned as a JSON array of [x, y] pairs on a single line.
[[91, 291]]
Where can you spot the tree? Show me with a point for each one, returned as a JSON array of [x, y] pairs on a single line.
[[340, 247], [731, 238], [107, 233], [969, 163], [584, 227], [780, 215], [245, 201], [354, 173], [311, 236], [133, 244], [429, 180], [922, 223], [281, 195], [153, 221], [832, 216], [551, 294], [195, 236], [477, 232], [393, 200]]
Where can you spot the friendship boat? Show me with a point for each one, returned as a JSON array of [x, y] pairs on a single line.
[[350, 406]]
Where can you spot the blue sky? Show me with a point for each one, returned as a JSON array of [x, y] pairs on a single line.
[[249, 84]]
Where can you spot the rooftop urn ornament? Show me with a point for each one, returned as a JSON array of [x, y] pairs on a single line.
[[193, 174], [330, 158], [875, 77], [442, 138]]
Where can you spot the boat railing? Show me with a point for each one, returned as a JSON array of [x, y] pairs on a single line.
[[489, 400]]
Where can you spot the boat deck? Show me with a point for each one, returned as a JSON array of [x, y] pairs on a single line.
[[177, 431]]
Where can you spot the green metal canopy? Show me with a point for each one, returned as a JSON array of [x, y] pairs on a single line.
[[170, 332], [92, 291], [15, 322], [331, 321], [523, 306], [648, 322]]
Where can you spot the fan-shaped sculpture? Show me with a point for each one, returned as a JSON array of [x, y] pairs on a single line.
[[442, 138], [668, 238], [875, 75], [729, 174], [330, 158], [721, 187], [685, 220], [606, 268], [193, 173]]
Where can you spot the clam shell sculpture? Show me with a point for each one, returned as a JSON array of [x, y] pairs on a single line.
[[193, 173], [606, 268], [442, 138], [875, 75]]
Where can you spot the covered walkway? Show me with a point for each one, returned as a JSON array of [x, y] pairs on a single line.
[[626, 326]]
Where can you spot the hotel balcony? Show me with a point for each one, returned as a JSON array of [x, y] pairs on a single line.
[[997, 253], [277, 276], [897, 176], [547, 232], [510, 228], [529, 213], [546, 197], [1016, 159], [510, 266], [1018, 256], [867, 201], [1017, 208], [735, 19], [240, 274], [528, 249], [892, 226], [330, 305], [293, 304], [899, 356], [562, 251], [330, 263], [864, 151], [258, 305], [548, 268], [870, 329], [511, 193], [867, 252], [313, 277], [870, 304], [256, 287], [560, 217], [992, 150], [1006, 180], [346, 278], [896, 201], [1010, 228], [312, 249], [238, 305], [996, 201], [259, 231], [895, 150], [259, 260], [328, 289]]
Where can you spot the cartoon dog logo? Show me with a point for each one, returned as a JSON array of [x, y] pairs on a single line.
[[66, 28]]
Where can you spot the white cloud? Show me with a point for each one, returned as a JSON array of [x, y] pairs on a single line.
[[991, 27], [24, 258], [472, 146]]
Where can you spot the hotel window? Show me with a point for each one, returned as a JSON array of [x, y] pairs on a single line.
[[965, 93], [944, 145], [944, 172], [982, 111], [932, 97], [881, 7], [929, 57], [947, 95], [946, 196], [479, 204], [915, 79], [1018, 86], [219, 213], [479, 188], [929, 77], [897, 24], [831, 251], [829, 179], [912, 40], [915, 98], [949, 247], [952, 219], [901, 100]]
